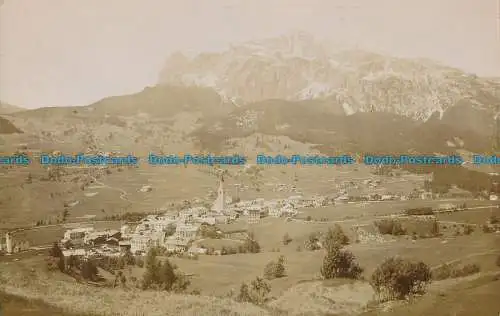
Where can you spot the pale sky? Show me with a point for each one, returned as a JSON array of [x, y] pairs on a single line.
[[75, 52]]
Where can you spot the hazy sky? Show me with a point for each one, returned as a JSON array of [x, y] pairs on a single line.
[[74, 52]]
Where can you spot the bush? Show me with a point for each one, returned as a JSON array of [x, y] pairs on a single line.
[[256, 293], [312, 242], [498, 261], [390, 227], [468, 229], [340, 264], [89, 270], [397, 278], [446, 271], [274, 270], [420, 211], [487, 229]]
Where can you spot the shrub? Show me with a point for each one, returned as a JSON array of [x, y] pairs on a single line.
[[312, 242], [390, 227], [89, 270], [446, 271], [487, 229], [340, 264], [397, 278], [498, 261], [256, 293], [420, 211], [494, 220], [468, 229]]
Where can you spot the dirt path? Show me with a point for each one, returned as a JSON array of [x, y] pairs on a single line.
[[123, 193]]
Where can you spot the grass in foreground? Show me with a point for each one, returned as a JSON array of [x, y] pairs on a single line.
[[15, 305], [59, 290]]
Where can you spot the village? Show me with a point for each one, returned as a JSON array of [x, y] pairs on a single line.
[[178, 231]]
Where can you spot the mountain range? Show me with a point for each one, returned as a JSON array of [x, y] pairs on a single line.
[[291, 86], [296, 66]]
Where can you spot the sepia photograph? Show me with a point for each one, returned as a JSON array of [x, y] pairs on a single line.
[[249, 157]]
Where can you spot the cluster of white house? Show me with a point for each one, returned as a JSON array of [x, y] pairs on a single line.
[[10, 245], [175, 232]]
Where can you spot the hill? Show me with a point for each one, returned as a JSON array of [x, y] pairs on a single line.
[[6, 108]]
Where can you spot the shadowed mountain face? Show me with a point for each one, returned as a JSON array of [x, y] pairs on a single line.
[[296, 67], [6, 127], [313, 122]]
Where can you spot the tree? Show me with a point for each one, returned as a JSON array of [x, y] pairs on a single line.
[[390, 227], [335, 237], [259, 291], [129, 258], [56, 258], [65, 215], [166, 275], [170, 229], [251, 245], [397, 278], [286, 239], [244, 294], [151, 276], [89, 270], [162, 276], [274, 269], [340, 264], [280, 267], [55, 251]]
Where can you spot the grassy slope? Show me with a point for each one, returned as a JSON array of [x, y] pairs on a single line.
[[18, 306], [476, 297], [30, 280]]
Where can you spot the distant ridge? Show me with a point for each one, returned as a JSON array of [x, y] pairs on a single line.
[[6, 108]]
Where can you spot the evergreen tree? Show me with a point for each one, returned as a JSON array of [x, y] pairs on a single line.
[[340, 264], [167, 276]]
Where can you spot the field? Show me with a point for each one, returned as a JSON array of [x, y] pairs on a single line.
[[219, 275], [475, 216]]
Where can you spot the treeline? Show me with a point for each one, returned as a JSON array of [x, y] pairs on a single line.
[[445, 176], [130, 216]]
